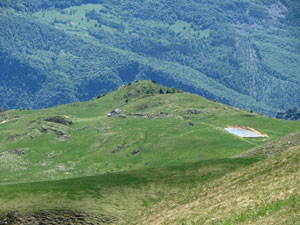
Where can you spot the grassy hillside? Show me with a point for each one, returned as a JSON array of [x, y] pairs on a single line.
[[166, 153], [240, 53], [153, 130], [232, 191], [266, 192], [121, 196]]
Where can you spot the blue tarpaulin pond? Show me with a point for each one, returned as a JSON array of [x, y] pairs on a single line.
[[244, 133]]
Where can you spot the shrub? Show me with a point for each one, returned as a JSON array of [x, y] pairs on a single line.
[[100, 96]]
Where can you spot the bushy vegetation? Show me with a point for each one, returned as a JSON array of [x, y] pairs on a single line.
[[241, 53]]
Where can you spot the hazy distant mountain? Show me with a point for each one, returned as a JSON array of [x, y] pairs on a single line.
[[246, 54]]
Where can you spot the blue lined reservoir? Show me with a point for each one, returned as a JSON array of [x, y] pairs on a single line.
[[243, 133]]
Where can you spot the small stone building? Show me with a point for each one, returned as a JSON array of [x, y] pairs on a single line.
[[114, 112]]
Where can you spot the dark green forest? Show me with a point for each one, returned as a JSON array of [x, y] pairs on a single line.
[[291, 114], [242, 53]]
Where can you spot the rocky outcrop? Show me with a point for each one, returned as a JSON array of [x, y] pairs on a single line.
[[55, 218], [58, 119]]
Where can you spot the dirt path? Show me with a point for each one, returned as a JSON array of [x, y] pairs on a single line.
[[6, 121]]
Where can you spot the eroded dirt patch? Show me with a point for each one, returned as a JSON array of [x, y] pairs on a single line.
[[55, 218]]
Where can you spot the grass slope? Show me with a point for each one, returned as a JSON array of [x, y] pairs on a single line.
[[266, 192], [228, 191], [121, 195], [161, 153], [154, 130]]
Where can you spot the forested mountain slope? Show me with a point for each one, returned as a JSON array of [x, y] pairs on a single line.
[[243, 53], [291, 114]]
